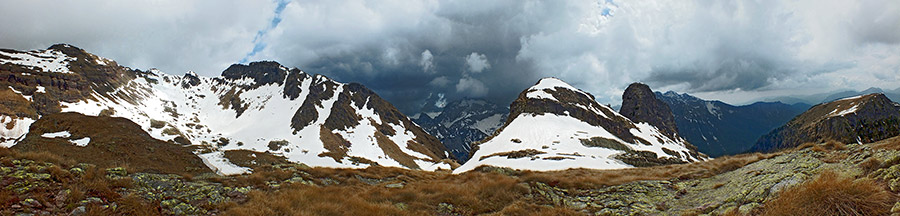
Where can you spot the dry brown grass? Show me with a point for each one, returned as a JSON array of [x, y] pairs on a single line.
[[832, 194], [44, 156], [805, 145], [870, 165], [115, 142], [888, 144], [589, 178], [469, 193], [835, 145], [93, 183]]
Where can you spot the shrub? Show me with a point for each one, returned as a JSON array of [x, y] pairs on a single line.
[[832, 194]]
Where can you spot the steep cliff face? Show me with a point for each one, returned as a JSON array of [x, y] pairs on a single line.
[[261, 106], [554, 126], [640, 104], [860, 119]]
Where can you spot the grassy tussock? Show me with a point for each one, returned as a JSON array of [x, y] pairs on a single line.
[[832, 194]]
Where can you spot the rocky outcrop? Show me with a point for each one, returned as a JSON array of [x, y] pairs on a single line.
[[859, 119], [640, 104]]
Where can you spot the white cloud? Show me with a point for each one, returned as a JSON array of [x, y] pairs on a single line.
[[471, 87], [441, 81], [427, 62], [477, 62], [174, 36]]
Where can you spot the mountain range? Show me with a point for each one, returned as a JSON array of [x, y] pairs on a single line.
[[461, 122], [82, 135], [831, 96], [718, 128], [261, 106]]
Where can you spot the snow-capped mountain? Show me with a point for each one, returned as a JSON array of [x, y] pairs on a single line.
[[459, 123], [859, 119], [262, 106], [717, 128], [554, 126]]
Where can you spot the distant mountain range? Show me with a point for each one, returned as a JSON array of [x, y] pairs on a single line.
[[717, 128], [831, 96], [459, 123]]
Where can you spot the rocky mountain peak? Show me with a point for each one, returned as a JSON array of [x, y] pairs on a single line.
[[858, 119], [553, 96], [68, 49], [640, 104], [263, 72]]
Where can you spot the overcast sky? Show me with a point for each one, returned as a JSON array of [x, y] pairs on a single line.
[[735, 51]]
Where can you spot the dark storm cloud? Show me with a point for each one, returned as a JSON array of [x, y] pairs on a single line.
[[730, 74], [472, 48]]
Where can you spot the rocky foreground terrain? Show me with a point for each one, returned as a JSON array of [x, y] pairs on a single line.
[[813, 179]]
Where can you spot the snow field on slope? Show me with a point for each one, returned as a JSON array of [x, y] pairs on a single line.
[[560, 134], [47, 60]]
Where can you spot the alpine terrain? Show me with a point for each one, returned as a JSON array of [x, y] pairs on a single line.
[[554, 126], [262, 107], [82, 135]]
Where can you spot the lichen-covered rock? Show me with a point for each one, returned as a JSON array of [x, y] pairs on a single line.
[[743, 189], [116, 172], [181, 197]]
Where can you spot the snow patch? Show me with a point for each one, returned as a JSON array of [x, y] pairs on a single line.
[[12, 129], [61, 134], [842, 112], [81, 142], [217, 162]]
